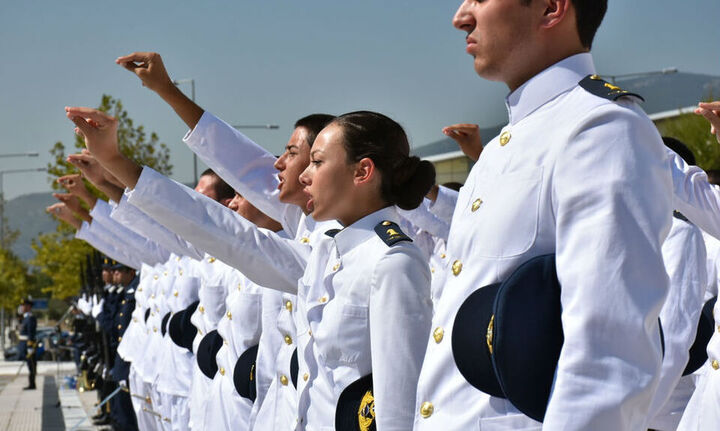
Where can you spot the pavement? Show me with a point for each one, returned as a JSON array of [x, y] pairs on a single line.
[[51, 407]]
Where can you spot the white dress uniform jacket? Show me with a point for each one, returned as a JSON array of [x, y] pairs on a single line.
[[585, 178], [363, 307], [685, 260]]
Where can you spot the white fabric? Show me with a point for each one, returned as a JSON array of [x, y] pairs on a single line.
[[685, 260], [104, 245], [363, 307], [584, 178]]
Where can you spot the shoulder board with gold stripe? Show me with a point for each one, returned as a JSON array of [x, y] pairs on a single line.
[[596, 85]]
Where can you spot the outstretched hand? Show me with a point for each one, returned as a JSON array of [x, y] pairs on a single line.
[[149, 67], [467, 137], [711, 111], [63, 213], [90, 168], [98, 130], [74, 184], [71, 202]]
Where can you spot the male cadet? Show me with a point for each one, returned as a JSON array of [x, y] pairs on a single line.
[[26, 348], [579, 172]]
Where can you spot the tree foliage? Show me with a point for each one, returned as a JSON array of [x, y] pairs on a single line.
[[14, 281], [58, 255]]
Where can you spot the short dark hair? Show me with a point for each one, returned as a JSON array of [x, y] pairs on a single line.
[[222, 189], [589, 15], [713, 176], [405, 179], [680, 148], [313, 124]]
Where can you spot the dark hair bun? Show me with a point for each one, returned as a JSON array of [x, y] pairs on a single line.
[[412, 180]]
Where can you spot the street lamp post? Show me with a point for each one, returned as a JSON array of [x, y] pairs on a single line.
[[2, 230], [28, 154], [256, 126]]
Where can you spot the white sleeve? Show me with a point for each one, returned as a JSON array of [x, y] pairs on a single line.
[[146, 250], [612, 199], [244, 165], [103, 245], [694, 197], [400, 287], [444, 205], [136, 220], [262, 256], [422, 218], [685, 260]]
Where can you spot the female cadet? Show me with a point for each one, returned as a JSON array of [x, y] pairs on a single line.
[[364, 304]]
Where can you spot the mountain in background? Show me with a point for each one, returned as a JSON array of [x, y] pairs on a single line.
[[27, 214]]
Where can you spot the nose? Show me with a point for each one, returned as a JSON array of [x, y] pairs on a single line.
[[463, 20], [305, 178], [280, 163]]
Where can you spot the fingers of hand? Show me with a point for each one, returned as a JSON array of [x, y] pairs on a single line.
[[90, 114], [710, 105]]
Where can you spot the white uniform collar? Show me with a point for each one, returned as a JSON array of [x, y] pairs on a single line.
[[363, 229], [548, 84]]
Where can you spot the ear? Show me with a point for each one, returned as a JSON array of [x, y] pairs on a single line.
[[556, 12], [226, 202], [364, 171]]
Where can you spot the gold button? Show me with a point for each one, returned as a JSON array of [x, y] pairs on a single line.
[[222, 371], [718, 328], [179, 258], [148, 400], [123, 302], [443, 256], [165, 273], [199, 332], [119, 339], [176, 293], [304, 240], [426, 410], [323, 299], [122, 314], [119, 326], [505, 138], [211, 259], [140, 289], [438, 334], [288, 305], [135, 319], [288, 340], [154, 329], [336, 267], [239, 287], [432, 270], [201, 308], [456, 268], [152, 314], [715, 364], [386, 223], [152, 296], [284, 380], [225, 342], [229, 315], [306, 376], [476, 205], [156, 277], [180, 271], [309, 332], [595, 77]]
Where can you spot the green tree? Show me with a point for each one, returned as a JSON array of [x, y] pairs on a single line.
[[59, 256], [694, 131], [13, 279]]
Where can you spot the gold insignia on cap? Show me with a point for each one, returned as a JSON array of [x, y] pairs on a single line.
[[505, 138], [457, 268], [386, 223], [489, 334], [366, 411]]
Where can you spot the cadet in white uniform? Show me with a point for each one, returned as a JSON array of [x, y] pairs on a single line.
[[573, 174]]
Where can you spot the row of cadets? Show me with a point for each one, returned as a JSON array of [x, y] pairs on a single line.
[[243, 311]]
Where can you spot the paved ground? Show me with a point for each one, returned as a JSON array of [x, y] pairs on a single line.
[[51, 407]]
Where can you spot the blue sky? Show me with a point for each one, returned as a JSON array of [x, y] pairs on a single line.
[[275, 61]]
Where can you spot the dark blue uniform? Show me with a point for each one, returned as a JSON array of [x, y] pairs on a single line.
[[28, 328]]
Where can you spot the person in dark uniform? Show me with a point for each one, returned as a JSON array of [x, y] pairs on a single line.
[[28, 328]]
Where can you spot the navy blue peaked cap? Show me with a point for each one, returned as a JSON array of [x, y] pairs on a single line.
[[206, 351], [507, 336], [244, 374], [355, 410], [705, 330]]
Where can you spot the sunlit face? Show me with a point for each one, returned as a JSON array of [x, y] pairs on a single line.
[[243, 207], [291, 164], [206, 186], [498, 32], [329, 179]]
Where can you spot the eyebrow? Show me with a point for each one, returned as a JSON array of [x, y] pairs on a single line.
[[312, 153], [291, 147]]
